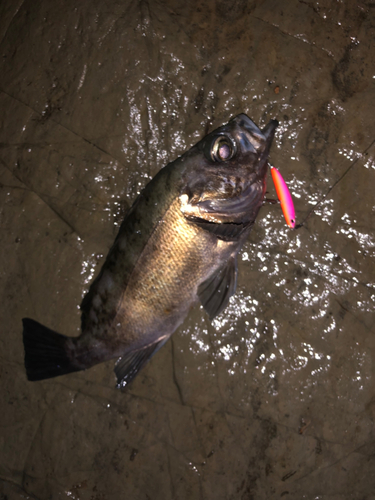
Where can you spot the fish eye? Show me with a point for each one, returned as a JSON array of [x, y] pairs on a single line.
[[223, 149]]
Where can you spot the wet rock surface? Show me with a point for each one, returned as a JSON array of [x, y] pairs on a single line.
[[274, 398]]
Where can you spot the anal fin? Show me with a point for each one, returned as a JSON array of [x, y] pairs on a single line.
[[128, 366], [215, 292]]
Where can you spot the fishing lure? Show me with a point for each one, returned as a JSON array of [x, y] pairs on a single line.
[[284, 196]]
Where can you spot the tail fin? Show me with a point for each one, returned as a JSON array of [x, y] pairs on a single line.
[[45, 352]]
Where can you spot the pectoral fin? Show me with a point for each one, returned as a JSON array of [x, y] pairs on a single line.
[[129, 365], [215, 292]]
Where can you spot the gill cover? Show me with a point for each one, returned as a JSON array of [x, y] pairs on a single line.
[[226, 190]]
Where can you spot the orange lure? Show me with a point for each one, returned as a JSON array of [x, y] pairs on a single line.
[[284, 196]]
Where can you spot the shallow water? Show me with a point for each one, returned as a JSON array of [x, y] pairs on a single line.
[[276, 397]]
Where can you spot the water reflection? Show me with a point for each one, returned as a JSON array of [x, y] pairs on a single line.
[[370, 163], [350, 153], [88, 269]]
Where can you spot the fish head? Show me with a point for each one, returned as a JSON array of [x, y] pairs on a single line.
[[225, 180]]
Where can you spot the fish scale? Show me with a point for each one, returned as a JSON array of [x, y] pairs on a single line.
[[177, 246], [182, 252]]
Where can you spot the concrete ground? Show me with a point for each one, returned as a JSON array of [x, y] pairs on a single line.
[[275, 398]]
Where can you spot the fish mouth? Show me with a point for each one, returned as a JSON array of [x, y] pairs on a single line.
[[251, 138]]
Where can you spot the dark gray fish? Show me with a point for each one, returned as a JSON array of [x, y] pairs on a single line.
[[177, 246]]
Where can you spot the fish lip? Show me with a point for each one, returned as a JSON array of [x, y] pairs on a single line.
[[251, 137], [243, 121], [269, 130]]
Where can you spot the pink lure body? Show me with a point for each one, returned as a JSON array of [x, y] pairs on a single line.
[[284, 196]]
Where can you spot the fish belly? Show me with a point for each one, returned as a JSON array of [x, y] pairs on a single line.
[[163, 286]]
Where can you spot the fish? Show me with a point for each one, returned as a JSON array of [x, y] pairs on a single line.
[[284, 196], [176, 247]]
